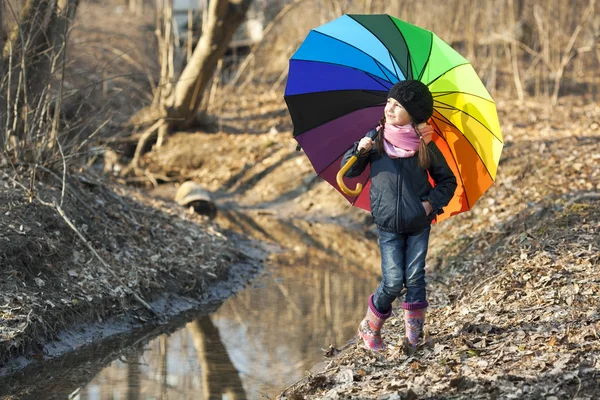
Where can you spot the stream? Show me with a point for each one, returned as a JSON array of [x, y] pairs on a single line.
[[253, 346]]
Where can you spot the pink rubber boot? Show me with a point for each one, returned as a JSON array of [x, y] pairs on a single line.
[[414, 319], [370, 328]]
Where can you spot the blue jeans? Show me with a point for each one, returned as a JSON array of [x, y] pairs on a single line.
[[402, 265]]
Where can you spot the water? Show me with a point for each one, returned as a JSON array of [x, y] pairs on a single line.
[[255, 345]]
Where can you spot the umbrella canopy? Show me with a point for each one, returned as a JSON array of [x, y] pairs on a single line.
[[337, 88]]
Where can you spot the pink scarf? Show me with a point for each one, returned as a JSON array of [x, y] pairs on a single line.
[[401, 141]]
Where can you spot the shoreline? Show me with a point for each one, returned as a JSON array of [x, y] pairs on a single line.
[[73, 345]]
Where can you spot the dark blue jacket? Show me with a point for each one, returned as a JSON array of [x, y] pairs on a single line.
[[399, 185]]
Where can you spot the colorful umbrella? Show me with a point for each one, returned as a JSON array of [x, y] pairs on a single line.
[[337, 88]]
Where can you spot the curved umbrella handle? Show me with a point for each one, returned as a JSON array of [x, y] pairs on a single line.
[[340, 178]]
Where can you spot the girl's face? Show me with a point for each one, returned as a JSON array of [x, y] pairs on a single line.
[[395, 114]]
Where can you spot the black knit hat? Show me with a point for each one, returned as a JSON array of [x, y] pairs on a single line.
[[415, 97]]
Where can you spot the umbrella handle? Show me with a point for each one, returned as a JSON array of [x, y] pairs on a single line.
[[340, 178]]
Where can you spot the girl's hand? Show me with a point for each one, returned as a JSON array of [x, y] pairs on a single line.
[[365, 143], [426, 131]]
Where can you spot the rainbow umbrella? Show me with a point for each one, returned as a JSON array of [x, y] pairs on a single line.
[[337, 87]]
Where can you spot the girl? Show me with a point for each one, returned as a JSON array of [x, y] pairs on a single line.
[[403, 204]]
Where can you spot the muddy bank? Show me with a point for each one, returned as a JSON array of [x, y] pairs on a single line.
[[147, 248], [85, 349], [49, 278]]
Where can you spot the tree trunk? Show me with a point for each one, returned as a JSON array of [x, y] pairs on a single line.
[[395, 9], [2, 77], [23, 39], [162, 365], [54, 45], [21, 51], [136, 6], [224, 18], [178, 106]]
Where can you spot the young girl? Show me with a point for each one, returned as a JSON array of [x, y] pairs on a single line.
[[403, 204]]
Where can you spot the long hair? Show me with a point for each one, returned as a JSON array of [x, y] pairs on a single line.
[[424, 158], [379, 140]]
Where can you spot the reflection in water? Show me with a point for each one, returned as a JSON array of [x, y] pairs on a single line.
[[219, 376], [192, 363], [256, 344], [133, 378]]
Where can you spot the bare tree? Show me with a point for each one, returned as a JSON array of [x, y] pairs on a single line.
[[176, 103], [33, 52], [571, 52]]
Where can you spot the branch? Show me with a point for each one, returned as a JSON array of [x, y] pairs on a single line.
[[506, 38], [147, 135], [584, 196], [568, 54], [1, 34]]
